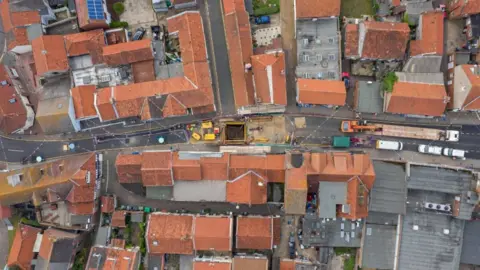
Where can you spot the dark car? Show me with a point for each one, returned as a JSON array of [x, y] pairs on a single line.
[[139, 33]]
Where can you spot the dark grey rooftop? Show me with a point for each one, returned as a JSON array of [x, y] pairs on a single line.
[[439, 179], [80, 219], [330, 194], [430, 241], [389, 190], [136, 217], [423, 64], [318, 50], [331, 232], [379, 246], [471, 243], [382, 218], [154, 261], [159, 193], [369, 99]]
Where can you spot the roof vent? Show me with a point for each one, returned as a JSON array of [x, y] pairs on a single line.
[[44, 52], [415, 227], [155, 243], [446, 231]]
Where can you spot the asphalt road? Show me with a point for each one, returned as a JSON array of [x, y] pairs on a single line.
[[14, 150], [319, 130], [212, 16]]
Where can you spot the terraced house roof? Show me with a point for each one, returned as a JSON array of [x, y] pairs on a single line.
[[255, 232], [305, 9], [240, 49], [49, 54], [193, 91]]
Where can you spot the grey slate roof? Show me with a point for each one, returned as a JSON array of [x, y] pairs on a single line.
[[330, 194], [389, 191], [423, 64], [430, 78], [159, 193], [471, 243], [382, 218], [429, 248], [154, 261], [369, 99], [439, 179], [323, 233], [379, 246]]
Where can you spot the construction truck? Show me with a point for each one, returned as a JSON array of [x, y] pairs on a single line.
[[400, 131]]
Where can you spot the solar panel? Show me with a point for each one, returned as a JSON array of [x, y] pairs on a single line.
[[95, 10]]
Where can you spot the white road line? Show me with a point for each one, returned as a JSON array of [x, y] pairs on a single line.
[[16, 150]]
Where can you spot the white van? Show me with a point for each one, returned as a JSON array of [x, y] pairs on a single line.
[[428, 149], [389, 145], [455, 153]]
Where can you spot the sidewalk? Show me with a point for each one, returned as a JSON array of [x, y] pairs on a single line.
[[452, 118]]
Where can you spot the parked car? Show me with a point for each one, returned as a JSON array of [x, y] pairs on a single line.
[[262, 19], [454, 153], [428, 149], [139, 33], [157, 32]]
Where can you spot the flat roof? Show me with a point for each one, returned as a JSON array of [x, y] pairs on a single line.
[[389, 191]]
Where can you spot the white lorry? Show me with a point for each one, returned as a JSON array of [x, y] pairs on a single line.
[[429, 149]]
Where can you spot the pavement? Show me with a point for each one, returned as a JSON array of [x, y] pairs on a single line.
[[4, 244]]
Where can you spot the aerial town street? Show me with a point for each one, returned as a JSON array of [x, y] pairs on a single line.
[[240, 134]]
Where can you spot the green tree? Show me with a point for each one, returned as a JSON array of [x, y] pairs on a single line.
[[388, 82], [117, 24], [119, 8]]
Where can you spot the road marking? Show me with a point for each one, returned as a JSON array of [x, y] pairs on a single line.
[[15, 150]]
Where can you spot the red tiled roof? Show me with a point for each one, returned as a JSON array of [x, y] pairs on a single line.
[[19, 38], [90, 42], [12, 115], [215, 168], [21, 252], [157, 169], [85, 208], [418, 99], [212, 265], [240, 49], [107, 204], [116, 242], [249, 188], [192, 91], [431, 40], [213, 233], [384, 40], [269, 78], [254, 232], [354, 169], [143, 71], [83, 100], [317, 8], [462, 8], [328, 92], [186, 169], [269, 167], [128, 52], [351, 40], [5, 211], [49, 54], [251, 263], [129, 168], [50, 236], [118, 219], [81, 194], [472, 100], [114, 258], [173, 107], [169, 233], [24, 18]]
